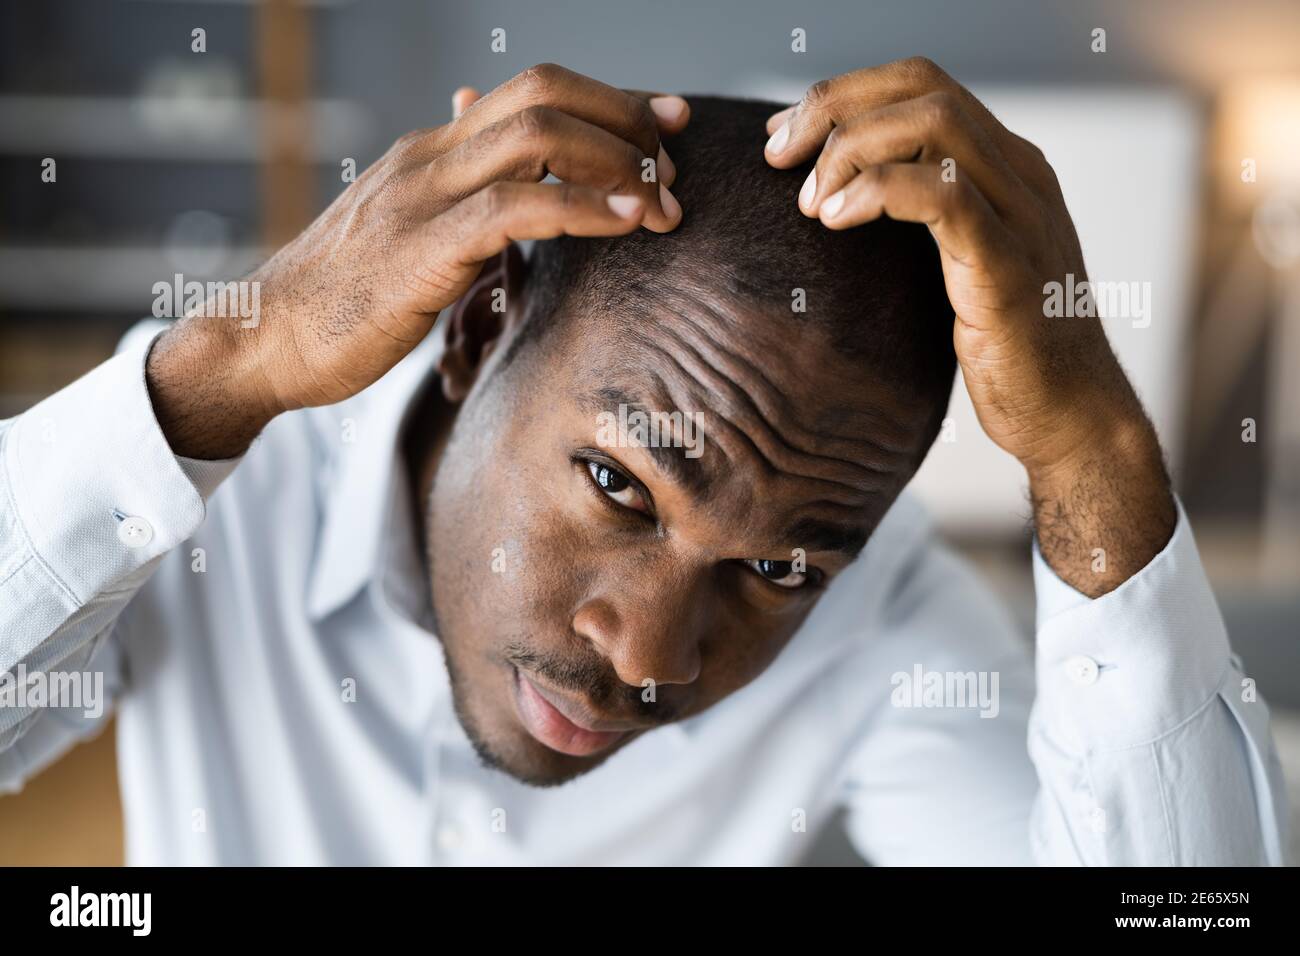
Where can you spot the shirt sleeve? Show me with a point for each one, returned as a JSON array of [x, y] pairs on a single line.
[[91, 497], [1146, 745], [1150, 744]]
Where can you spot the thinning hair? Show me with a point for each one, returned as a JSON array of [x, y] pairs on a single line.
[[876, 291]]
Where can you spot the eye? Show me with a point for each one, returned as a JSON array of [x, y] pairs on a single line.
[[780, 573], [615, 485]]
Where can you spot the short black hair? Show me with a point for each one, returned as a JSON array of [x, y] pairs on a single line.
[[877, 289]]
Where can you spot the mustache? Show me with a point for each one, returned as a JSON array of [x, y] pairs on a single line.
[[595, 679]]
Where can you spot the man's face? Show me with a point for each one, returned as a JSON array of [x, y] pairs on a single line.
[[587, 588]]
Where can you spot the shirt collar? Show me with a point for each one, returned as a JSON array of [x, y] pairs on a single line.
[[359, 443]]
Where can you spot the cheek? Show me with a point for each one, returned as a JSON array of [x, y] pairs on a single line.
[[505, 551], [740, 652]]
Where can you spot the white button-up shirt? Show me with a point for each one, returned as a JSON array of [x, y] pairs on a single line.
[[281, 699]]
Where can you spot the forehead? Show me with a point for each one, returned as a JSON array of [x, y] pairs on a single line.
[[784, 417]]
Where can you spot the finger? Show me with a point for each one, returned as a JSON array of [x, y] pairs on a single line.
[[959, 217], [776, 119], [630, 117], [505, 212], [528, 145], [671, 111], [462, 99], [932, 129], [831, 102]]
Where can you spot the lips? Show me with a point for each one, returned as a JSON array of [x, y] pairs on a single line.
[[540, 713]]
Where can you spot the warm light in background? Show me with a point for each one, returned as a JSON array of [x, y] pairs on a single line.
[[1259, 120]]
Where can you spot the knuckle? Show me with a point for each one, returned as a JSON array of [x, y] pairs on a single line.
[[818, 96], [542, 78], [1035, 153], [941, 110], [1035, 169], [634, 162], [532, 123], [407, 141], [922, 70], [836, 149], [493, 200], [958, 195], [641, 120], [570, 198]]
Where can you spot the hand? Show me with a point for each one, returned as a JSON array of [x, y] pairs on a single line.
[[362, 286], [905, 140]]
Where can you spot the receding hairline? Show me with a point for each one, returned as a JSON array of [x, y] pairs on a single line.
[[876, 291]]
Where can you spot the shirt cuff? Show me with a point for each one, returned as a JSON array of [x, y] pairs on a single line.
[[1128, 667], [96, 488], [207, 476]]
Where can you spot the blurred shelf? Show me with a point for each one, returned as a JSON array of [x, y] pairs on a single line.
[[324, 4], [101, 279], [195, 129]]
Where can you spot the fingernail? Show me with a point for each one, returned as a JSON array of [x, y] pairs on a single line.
[[809, 190], [833, 204], [625, 207], [667, 171], [668, 108], [779, 139], [672, 208]]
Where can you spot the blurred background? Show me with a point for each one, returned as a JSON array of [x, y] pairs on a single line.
[[195, 136]]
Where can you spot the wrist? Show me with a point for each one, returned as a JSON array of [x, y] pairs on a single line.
[[208, 388], [1102, 512]]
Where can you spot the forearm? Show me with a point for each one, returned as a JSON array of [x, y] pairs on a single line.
[[1104, 512]]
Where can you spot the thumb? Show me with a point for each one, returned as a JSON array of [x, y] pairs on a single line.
[[462, 99]]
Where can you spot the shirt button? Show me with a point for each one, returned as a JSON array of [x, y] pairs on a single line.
[[135, 532], [1082, 670], [449, 837]]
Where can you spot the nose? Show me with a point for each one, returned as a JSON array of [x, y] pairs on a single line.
[[648, 626]]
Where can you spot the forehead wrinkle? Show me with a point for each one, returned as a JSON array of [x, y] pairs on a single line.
[[737, 445], [696, 297], [770, 402], [767, 443]]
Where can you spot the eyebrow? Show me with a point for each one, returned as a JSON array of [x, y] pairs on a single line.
[[811, 534], [814, 534], [669, 460]]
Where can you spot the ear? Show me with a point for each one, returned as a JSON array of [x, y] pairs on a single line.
[[480, 320]]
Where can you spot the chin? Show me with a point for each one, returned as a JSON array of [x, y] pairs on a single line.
[[537, 766], [489, 717], [512, 750]]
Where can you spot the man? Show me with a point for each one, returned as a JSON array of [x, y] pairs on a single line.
[[414, 608]]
